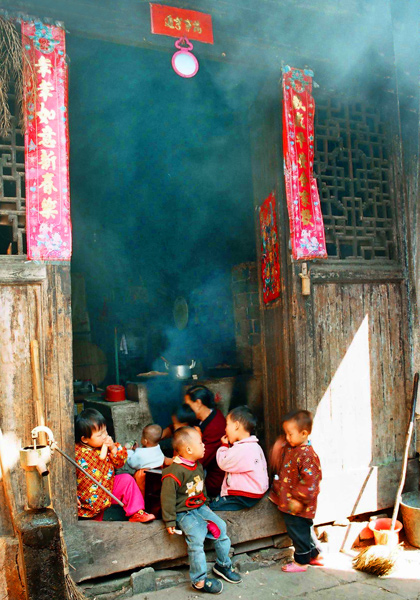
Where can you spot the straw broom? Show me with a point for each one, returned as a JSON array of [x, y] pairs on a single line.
[[13, 60], [381, 559], [377, 560]]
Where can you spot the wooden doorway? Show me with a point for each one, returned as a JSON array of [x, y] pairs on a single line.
[[344, 351]]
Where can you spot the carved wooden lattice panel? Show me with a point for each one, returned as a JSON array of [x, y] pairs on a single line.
[[352, 168], [12, 188]]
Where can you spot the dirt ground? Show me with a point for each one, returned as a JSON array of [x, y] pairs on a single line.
[[336, 581]]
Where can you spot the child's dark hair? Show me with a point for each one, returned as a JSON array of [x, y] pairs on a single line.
[[185, 414], [152, 433], [244, 416], [181, 437], [200, 392], [88, 421], [302, 418]]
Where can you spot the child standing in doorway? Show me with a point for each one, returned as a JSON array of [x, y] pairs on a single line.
[[243, 460], [296, 487], [99, 456], [184, 502]]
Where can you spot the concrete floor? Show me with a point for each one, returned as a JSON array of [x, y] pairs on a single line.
[[336, 581]]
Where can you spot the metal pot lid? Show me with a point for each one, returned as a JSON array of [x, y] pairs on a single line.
[[180, 312]]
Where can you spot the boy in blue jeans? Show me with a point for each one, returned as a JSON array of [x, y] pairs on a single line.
[[184, 502]]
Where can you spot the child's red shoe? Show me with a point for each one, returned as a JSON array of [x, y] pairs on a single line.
[[317, 562], [293, 567], [141, 516]]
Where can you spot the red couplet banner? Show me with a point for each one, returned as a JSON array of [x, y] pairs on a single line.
[[178, 22], [305, 217], [48, 223], [270, 261]]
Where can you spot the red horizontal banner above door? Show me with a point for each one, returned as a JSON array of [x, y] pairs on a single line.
[[178, 22]]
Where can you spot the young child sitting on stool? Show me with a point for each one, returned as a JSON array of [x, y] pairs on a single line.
[[149, 456], [296, 487], [246, 477], [99, 456], [184, 505]]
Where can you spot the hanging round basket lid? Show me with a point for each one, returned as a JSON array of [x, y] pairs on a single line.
[[180, 312], [89, 362]]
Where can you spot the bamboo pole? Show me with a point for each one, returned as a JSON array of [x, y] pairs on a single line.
[[406, 451], [116, 350], [74, 463], [37, 390]]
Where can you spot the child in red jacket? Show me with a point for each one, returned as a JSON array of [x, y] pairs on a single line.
[[296, 487], [99, 456]]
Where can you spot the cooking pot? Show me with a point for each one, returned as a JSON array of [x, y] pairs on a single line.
[[179, 371], [83, 387]]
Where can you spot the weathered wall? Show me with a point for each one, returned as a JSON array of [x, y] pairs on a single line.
[[10, 572], [34, 304], [406, 35], [246, 308]]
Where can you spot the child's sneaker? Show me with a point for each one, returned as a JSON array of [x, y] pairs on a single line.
[[211, 586], [141, 516], [227, 573]]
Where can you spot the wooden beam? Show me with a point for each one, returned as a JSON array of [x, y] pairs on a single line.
[[18, 270], [352, 271], [244, 32]]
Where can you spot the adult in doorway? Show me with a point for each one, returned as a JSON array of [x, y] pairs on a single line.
[[212, 424]]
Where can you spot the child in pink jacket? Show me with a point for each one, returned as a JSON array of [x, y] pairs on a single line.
[[242, 459]]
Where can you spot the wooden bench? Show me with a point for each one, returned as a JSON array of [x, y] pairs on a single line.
[[92, 546], [97, 549]]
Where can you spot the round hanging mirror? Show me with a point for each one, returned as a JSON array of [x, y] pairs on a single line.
[[180, 312], [184, 63]]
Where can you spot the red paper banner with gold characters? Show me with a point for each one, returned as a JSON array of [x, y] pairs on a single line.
[[48, 223], [306, 224], [270, 263], [179, 22]]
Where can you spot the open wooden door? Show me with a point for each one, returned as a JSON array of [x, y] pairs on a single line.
[[344, 351]]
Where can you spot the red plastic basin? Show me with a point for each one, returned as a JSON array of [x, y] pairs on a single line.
[[382, 531]]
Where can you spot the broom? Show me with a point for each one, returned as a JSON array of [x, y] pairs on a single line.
[[380, 560]]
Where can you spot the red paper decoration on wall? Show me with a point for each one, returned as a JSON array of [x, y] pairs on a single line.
[[48, 222], [306, 224], [270, 263]]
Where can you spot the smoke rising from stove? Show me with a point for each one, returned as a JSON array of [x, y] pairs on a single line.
[[161, 174]]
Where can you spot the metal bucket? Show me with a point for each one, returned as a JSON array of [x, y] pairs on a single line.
[[410, 509]]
